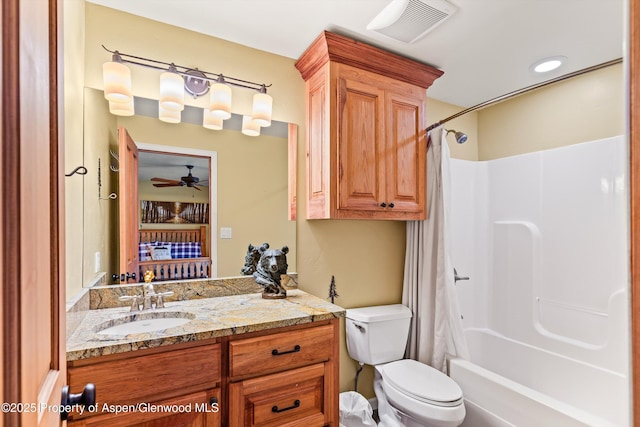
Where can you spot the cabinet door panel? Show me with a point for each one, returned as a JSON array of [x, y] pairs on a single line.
[[406, 154], [317, 161], [291, 398], [149, 378], [360, 139], [193, 410]]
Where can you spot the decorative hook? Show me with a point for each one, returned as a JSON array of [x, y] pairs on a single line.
[[117, 158], [80, 170], [111, 196]]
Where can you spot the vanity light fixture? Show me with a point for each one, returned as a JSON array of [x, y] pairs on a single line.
[[171, 90], [250, 127], [220, 99], [174, 80], [121, 108], [210, 121], [169, 116], [117, 80], [262, 108], [547, 64]]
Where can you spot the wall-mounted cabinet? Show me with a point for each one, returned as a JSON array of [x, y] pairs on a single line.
[[366, 138]]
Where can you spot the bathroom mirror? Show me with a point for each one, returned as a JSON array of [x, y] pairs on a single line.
[[248, 179]]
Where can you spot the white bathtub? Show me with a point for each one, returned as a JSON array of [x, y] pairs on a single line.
[[509, 383]]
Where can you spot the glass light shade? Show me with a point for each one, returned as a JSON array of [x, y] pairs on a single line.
[[249, 127], [117, 81], [220, 100], [169, 116], [262, 104], [210, 121], [171, 91], [121, 108]]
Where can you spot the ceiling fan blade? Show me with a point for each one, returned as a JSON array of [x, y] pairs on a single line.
[[163, 180], [196, 188], [177, 184]]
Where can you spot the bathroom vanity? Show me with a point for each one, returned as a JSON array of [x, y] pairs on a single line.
[[239, 361]]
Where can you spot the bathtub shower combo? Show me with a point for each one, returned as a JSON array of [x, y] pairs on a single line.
[[544, 238]]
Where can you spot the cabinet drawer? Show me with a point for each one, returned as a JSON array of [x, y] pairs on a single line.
[[149, 378], [291, 398], [277, 352]]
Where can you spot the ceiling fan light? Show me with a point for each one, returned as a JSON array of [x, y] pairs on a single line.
[[262, 108], [209, 121], [117, 81], [121, 108], [249, 127], [220, 100], [169, 116], [171, 91]]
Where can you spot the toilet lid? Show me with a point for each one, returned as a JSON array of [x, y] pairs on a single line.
[[422, 382]]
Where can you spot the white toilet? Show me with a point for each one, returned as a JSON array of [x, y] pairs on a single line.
[[409, 393]]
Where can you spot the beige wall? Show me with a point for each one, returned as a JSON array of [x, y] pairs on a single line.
[[73, 60], [585, 108], [100, 214]]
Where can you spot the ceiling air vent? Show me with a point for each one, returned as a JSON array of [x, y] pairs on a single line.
[[408, 20]]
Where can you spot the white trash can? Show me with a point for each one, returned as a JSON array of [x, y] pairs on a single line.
[[355, 410]]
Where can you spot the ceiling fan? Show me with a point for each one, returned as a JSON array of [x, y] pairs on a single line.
[[185, 181]]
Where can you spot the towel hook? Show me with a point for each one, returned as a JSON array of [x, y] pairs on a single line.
[[80, 170]]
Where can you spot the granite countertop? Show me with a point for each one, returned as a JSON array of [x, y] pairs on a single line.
[[210, 318]]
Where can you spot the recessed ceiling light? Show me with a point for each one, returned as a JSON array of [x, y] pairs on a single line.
[[547, 64]]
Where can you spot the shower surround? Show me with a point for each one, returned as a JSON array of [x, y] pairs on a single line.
[[544, 238]]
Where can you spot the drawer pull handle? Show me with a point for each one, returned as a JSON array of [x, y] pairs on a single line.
[[275, 352], [295, 405]]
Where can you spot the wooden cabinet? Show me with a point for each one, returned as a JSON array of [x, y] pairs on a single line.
[[278, 377], [366, 138], [160, 386], [285, 379]]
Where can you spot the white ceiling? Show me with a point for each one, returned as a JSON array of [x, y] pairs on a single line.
[[485, 49]]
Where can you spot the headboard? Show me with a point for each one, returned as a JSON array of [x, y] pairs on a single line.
[[167, 235]]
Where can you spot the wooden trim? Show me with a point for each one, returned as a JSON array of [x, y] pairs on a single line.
[[634, 170], [10, 228], [293, 170], [336, 48], [56, 186]]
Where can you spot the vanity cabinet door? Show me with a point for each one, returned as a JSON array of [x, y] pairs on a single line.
[[127, 380], [291, 398], [194, 410]]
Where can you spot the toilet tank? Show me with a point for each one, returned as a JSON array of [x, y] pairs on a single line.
[[377, 334]]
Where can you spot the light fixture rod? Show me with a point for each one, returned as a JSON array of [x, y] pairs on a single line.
[[182, 70]]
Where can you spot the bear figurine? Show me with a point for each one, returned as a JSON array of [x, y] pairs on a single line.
[[251, 259], [271, 266]]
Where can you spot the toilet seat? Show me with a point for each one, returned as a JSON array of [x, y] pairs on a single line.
[[422, 382]]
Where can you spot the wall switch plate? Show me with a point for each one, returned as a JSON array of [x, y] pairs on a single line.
[[225, 232], [97, 262]]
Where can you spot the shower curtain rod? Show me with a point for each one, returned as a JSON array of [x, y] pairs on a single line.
[[523, 90]]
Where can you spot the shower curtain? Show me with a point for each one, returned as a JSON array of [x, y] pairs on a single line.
[[429, 286]]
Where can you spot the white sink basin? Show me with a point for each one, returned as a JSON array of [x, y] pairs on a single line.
[[144, 322]]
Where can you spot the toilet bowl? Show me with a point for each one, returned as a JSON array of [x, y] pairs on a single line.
[[420, 394], [409, 393]]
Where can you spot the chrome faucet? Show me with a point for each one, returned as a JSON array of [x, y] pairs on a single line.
[[150, 298], [148, 293]]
